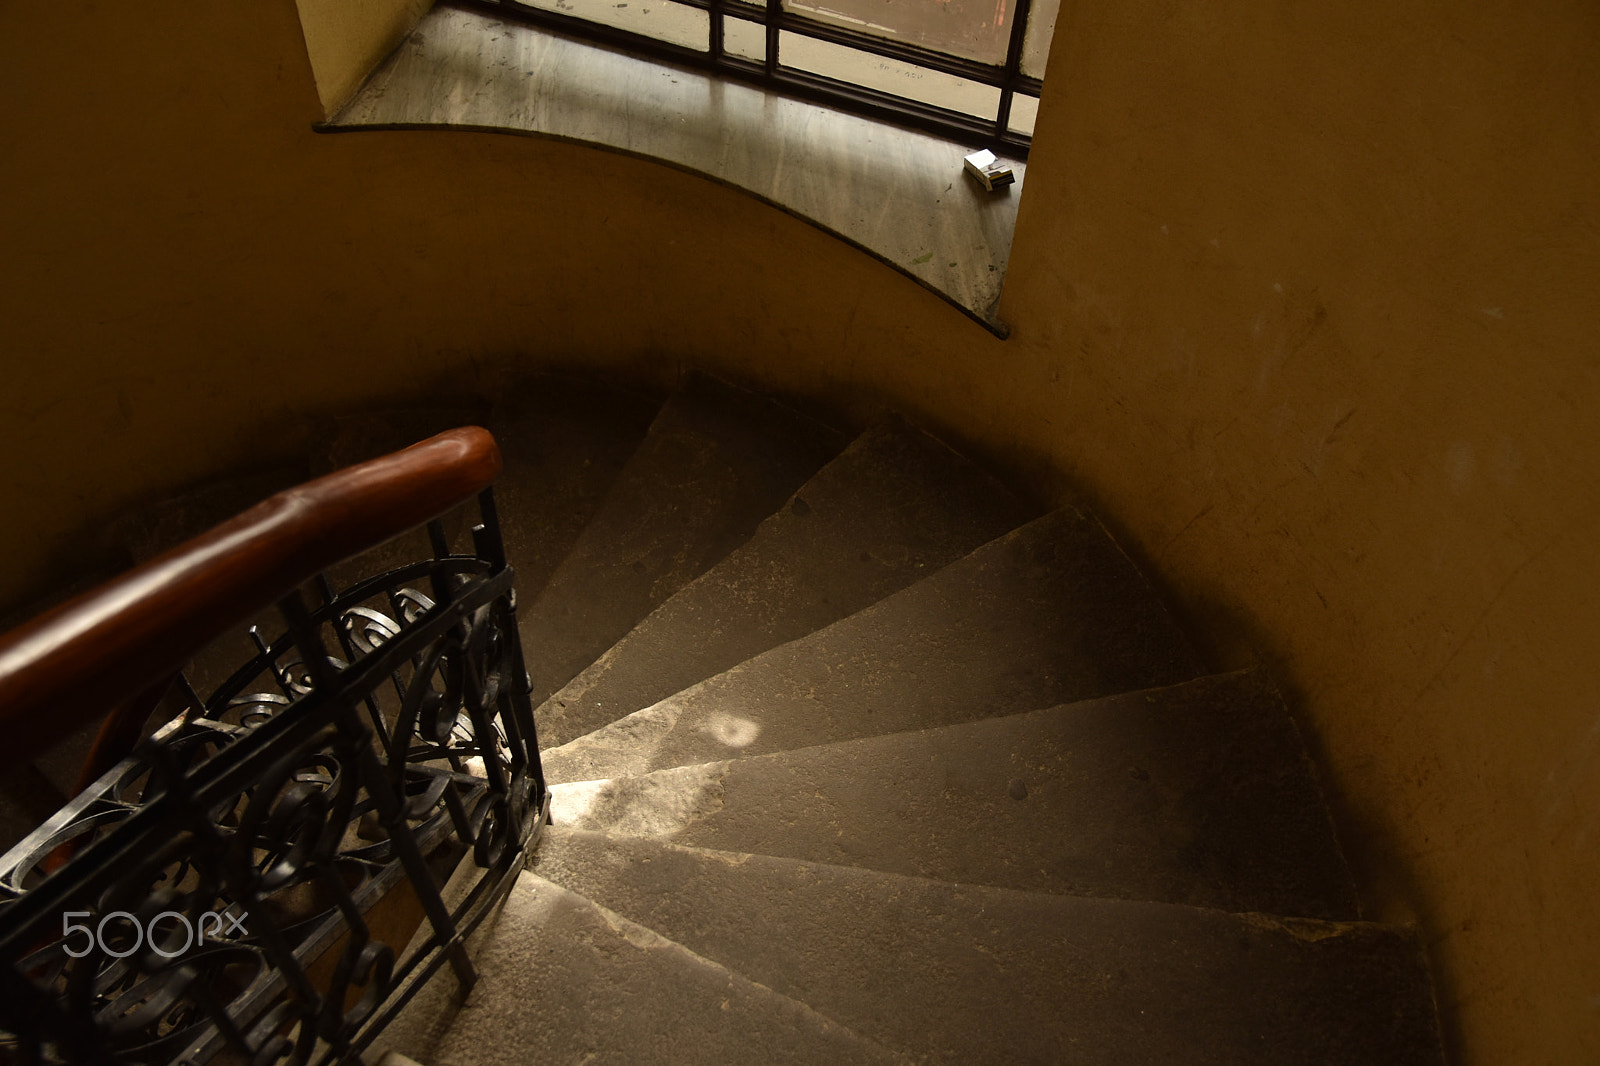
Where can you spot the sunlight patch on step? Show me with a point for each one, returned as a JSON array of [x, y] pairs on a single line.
[[731, 730], [626, 746], [631, 744], [659, 805]]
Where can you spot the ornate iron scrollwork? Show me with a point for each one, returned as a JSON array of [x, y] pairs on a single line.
[[216, 890]]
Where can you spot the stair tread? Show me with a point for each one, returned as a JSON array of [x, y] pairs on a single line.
[[715, 462], [564, 980], [1200, 793], [894, 506], [1050, 613], [960, 973], [565, 442]]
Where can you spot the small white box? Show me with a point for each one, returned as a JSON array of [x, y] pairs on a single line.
[[991, 173]]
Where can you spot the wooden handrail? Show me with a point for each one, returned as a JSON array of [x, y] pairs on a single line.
[[74, 663]]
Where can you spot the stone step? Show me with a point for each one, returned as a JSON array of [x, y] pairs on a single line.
[[1200, 793], [564, 442], [1050, 613], [953, 973], [716, 461], [566, 981], [895, 506]]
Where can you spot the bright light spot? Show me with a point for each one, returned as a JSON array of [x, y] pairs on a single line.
[[571, 803], [732, 730]]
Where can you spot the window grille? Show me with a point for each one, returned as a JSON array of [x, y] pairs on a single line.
[[967, 69]]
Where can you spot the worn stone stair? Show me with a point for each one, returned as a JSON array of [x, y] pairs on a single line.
[[954, 973], [715, 462], [610, 990], [893, 507], [1049, 613], [1197, 793], [858, 757]]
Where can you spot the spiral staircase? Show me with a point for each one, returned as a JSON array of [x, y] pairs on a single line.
[[859, 756]]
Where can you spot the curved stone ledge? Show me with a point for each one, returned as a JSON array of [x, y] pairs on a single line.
[[899, 195]]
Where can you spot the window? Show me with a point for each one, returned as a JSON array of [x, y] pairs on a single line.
[[968, 69], [897, 193]]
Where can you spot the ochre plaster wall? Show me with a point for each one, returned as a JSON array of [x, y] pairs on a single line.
[[1304, 299], [1322, 285], [346, 39]]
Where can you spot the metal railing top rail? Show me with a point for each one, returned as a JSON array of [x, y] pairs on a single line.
[[69, 665]]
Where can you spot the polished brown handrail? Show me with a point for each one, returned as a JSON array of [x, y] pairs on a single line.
[[74, 663]]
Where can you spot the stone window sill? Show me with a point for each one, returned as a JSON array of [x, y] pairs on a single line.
[[899, 195]]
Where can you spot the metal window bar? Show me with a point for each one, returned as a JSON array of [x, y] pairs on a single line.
[[304, 789], [770, 73]]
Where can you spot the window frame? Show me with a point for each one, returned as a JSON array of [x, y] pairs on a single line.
[[771, 74]]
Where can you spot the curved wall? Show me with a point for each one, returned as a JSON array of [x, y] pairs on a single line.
[[1303, 300]]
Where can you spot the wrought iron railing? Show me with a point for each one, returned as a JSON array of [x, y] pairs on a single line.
[[217, 891]]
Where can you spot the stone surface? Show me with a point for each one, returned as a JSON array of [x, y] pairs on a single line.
[[1050, 613], [566, 981], [962, 974], [894, 507], [715, 463], [564, 442], [1200, 793]]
